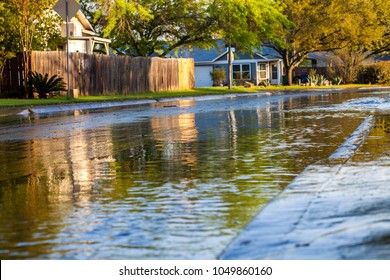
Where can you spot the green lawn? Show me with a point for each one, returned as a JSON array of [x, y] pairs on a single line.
[[156, 95]]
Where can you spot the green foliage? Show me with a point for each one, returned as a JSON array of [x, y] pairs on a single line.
[[329, 25], [377, 73], [218, 75], [347, 63], [247, 23], [265, 83], [146, 27], [7, 38], [45, 85], [312, 78], [337, 80], [47, 35], [321, 80], [315, 79], [28, 17]]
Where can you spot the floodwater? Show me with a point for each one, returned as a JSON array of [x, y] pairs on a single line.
[[376, 147], [173, 180]]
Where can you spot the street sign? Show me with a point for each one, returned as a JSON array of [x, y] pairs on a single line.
[[73, 7]]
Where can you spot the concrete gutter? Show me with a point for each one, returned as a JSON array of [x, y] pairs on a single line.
[[335, 209]]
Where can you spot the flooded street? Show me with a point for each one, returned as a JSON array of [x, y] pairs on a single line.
[[169, 180]]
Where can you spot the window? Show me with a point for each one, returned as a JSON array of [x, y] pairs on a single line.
[[241, 72], [245, 72], [236, 72], [274, 72], [262, 71]]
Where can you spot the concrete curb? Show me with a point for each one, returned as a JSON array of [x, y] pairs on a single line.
[[286, 227], [53, 109]]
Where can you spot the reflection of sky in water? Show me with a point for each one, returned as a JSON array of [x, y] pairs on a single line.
[[177, 181]]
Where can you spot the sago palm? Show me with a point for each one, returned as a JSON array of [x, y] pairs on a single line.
[[44, 85]]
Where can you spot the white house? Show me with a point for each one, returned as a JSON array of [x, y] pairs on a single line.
[[82, 37]]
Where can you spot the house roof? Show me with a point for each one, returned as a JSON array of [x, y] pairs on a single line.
[[323, 56], [327, 57], [382, 57], [84, 21], [87, 30], [220, 51], [269, 53], [200, 55]]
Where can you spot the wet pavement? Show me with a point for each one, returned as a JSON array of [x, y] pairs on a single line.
[[179, 179], [338, 208]]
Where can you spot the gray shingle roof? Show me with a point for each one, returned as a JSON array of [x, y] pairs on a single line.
[[208, 55]]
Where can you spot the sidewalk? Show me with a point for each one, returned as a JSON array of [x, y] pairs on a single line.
[[336, 209]]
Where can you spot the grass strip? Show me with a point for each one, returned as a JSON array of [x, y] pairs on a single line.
[[58, 100]]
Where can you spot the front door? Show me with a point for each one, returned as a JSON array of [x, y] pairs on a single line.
[[274, 73]]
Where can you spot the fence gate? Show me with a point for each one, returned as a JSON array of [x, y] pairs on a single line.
[[12, 83]]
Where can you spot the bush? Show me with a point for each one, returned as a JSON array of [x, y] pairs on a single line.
[[345, 65], [44, 85], [312, 78], [377, 73], [265, 83], [218, 75]]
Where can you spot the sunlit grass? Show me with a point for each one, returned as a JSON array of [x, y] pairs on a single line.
[[158, 95]]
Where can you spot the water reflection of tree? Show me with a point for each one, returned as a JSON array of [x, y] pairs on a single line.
[[377, 144], [43, 179]]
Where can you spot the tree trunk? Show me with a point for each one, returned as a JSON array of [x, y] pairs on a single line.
[[289, 71], [26, 70], [290, 61]]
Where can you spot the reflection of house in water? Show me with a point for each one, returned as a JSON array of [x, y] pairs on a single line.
[[174, 133], [70, 165], [88, 155]]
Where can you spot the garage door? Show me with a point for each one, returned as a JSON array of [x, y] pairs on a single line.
[[202, 76]]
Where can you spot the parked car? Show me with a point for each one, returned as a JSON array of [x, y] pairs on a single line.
[[303, 79]]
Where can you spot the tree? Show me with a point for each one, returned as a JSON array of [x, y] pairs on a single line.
[[247, 23], [368, 35], [7, 39], [93, 12], [29, 15], [328, 25], [346, 65], [47, 35], [374, 38], [148, 27]]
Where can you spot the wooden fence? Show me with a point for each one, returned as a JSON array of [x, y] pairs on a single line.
[[106, 75]]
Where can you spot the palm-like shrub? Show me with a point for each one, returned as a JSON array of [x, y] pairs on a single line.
[[218, 75], [43, 85]]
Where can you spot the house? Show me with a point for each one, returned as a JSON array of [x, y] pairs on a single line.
[[318, 61], [82, 37], [255, 68]]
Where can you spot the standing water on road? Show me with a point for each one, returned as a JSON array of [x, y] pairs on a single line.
[[173, 180]]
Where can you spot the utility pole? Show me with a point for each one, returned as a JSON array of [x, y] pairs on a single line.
[[230, 65], [67, 9], [67, 49]]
